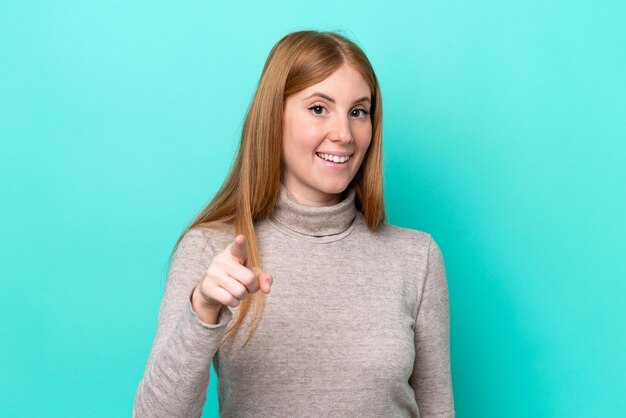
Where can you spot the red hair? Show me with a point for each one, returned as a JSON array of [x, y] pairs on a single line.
[[249, 193]]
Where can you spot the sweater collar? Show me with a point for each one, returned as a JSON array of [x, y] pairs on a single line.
[[314, 222]]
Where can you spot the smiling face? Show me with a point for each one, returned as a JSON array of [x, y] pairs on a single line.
[[327, 130]]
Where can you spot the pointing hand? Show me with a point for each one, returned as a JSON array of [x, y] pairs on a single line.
[[228, 281]]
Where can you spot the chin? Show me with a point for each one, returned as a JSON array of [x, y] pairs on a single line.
[[335, 189]]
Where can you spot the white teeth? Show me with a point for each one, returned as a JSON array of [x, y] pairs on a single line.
[[333, 158]]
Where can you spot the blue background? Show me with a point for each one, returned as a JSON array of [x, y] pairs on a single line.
[[504, 133]]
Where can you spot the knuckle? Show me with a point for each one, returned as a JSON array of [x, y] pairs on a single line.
[[220, 259], [235, 292], [213, 269], [241, 292], [249, 278], [210, 277], [205, 287]]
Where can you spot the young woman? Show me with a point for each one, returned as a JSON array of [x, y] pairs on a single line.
[[352, 316]]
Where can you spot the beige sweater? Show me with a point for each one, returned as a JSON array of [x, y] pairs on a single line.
[[356, 324]]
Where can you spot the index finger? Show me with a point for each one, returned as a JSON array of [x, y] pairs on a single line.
[[239, 249]]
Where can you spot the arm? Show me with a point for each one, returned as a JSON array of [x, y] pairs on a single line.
[[177, 374], [431, 379]]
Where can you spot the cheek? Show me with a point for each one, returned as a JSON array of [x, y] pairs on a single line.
[[304, 137], [363, 136]]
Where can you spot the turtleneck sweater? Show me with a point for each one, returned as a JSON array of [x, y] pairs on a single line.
[[356, 324]]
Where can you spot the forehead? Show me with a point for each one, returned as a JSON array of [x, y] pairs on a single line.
[[346, 82]]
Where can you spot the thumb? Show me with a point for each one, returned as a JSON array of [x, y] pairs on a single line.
[[264, 278], [239, 249], [265, 282]]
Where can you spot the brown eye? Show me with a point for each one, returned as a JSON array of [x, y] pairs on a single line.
[[317, 109], [359, 113]]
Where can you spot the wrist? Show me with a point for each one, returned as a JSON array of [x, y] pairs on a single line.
[[204, 311]]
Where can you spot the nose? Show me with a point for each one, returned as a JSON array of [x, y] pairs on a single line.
[[340, 131]]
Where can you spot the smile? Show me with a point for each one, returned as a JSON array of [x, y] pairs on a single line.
[[333, 158]]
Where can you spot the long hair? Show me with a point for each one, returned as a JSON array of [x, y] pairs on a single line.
[[251, 189]]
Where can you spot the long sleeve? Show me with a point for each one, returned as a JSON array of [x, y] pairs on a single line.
[[177, 374], [431, 378]]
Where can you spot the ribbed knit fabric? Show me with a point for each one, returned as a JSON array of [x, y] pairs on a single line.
[[356, 324]]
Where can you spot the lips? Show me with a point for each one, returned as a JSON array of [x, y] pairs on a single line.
[[339, 158]]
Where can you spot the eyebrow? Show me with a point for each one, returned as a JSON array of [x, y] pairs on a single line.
[[330, 99]]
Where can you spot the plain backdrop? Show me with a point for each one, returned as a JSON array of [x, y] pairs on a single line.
[[504, 137]]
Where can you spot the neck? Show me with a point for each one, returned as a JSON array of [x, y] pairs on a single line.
[[325, 200], [328, 222]]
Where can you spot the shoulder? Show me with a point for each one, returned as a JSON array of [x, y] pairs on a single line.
[[389, 234], [403, 233], [412, 245]]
